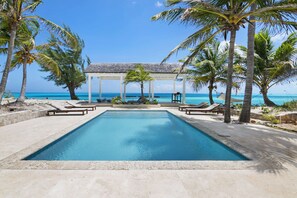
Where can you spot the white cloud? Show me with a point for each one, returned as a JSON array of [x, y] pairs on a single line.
[[278, 38], [158, 4], [223, 45]]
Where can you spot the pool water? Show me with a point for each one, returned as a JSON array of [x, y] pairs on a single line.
[[136, 135]]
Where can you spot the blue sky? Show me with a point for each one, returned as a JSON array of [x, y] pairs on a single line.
[[117, 31]]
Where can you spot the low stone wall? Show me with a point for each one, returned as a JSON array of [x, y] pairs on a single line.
[[258, 116], [288, 118], [15, 117], [284, 118]]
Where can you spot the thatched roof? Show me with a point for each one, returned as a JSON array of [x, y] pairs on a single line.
[[125, 67]]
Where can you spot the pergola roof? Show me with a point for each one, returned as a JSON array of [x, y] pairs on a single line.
[[118, 71], [154, 68]]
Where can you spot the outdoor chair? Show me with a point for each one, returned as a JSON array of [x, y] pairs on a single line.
[[212, 108], [200, 105], [76, 106], [61, 111], [103, 100]]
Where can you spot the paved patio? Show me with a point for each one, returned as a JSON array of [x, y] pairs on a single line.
[[274, 176]]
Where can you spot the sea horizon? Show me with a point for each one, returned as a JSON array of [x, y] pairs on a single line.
[[193, 98]]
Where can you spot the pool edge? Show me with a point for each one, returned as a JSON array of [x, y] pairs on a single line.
[[15, 161]]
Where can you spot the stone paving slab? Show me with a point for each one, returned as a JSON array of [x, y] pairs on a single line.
[[203, 183]]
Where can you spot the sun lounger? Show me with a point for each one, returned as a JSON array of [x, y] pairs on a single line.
[[103, 100], [75, 106], [212, 108], [61, 111], [8, 100], [201, 105]]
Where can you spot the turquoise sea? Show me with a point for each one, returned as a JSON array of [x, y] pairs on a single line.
[[192, 98]]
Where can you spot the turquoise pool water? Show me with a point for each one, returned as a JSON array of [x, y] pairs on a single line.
[[136, 135]]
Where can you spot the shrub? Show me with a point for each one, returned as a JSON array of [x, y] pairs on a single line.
[[7, 94], [290, 106], [238, 106], [155, 101], [265, 110], [116, 100], [151, 102], [271, 118]]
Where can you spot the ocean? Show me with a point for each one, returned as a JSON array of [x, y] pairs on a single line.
[[191, 98]]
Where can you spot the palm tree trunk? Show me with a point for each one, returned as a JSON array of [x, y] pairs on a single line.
[[245, 114], [142, 95], [210, 88], [267, 101], [8, 60], [227, 114], [24, 83]]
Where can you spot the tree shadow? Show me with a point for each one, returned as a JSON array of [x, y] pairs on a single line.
[[175, 140], [271, 149]]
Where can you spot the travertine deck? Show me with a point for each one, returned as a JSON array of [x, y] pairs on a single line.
[[274, 175]]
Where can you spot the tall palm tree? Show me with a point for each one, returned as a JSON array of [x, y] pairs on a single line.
[[212, 18], [209, 68], [245, 114], [273, 66], [140, 76], [26, 53], [277, 19], [14, 13]]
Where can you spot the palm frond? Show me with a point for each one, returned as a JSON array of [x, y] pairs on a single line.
[[32, 6], [196, 50], [48, 62], [190, 41]]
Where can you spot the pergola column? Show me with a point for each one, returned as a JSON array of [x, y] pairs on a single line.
[[121, 86], [150, 90], [125, 86], [153, 94], [90, 88], [184, 91], [100, 88]]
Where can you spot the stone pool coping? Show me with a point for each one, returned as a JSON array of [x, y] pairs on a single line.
[[15, 161]]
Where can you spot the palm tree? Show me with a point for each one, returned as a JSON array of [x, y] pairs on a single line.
[[13, 14], [140, 76], [68, 56], [280, 18], [26, 53], [209, 68], [273, 66], [245, 114], [213, 18]]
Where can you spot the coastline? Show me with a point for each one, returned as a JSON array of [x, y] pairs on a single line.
[[191, 98]]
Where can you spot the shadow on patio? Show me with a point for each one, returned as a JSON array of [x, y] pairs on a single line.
[[273, 149]]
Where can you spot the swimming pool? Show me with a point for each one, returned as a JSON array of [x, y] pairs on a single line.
[[136, 136]]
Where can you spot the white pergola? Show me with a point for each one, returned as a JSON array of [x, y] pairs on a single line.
[[117, 71]]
